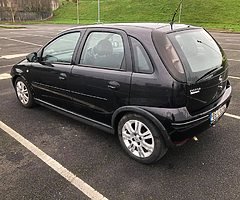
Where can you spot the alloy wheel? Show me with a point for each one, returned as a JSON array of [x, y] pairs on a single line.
[[22, 92], [138, 138]]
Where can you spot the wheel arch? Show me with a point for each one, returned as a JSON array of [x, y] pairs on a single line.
[[119, 113], [14, 78]]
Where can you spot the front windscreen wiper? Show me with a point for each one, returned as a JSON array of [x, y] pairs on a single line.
[[209, 73]]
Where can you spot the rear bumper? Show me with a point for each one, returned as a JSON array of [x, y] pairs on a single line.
[[180, 124], [193, 125], [193, 121]]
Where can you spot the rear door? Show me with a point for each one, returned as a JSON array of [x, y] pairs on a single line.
[[100, 82], [50, 76]]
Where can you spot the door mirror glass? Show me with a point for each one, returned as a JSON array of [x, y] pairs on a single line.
[[32, 57]]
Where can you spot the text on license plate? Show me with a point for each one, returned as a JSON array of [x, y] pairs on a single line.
[[214, 116]]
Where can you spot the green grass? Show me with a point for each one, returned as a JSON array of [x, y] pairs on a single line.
[[219, 14]]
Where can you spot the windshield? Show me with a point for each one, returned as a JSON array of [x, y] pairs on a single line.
[[198, 52]]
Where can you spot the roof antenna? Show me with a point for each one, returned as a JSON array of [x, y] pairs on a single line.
[[174, 15]]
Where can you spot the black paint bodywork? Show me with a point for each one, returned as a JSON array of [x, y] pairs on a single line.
[[87, 93]]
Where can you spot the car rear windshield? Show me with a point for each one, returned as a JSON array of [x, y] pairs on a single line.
[[198, 52]]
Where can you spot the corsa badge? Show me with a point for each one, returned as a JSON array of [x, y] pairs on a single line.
[[195, 91], [220, 79]]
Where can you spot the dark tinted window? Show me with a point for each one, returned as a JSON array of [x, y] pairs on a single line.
[[142, 63], [62, 49], [198, 51], [104, 50]]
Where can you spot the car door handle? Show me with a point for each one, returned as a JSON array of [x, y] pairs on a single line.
[[62, 76], [113, 85]]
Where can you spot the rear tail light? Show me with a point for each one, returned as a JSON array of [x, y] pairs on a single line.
[[174, 57]]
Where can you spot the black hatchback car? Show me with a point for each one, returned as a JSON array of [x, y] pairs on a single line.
[[152, 84]]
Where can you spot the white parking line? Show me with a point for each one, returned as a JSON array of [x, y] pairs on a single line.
[[14, 56], [5, 76], [5, 66], [74, 180], [5, 38], [226, 43], [34, 35], [234, 77], [233, 116], [234, 60], [237, 50], [226, 38]]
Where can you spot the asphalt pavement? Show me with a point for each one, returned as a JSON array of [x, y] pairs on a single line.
[[205, 169]]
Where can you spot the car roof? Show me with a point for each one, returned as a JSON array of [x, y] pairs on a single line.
[[129, 27]]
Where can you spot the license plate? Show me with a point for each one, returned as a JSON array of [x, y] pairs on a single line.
[[214, 116]]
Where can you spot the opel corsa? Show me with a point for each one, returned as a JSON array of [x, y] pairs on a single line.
[[155, 85]]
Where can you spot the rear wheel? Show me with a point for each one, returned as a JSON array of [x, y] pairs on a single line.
[[141, 139], [24, 93]]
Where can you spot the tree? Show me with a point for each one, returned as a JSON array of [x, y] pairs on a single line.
[[17, 7], [13, 9], [3, 3]]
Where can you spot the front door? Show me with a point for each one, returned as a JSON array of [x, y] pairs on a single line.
[[51, 74]]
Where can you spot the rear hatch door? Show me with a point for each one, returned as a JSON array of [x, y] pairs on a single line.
[[205, 66]]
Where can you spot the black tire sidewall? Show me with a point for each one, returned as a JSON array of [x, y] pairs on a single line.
[[31, 100], [159, 144]]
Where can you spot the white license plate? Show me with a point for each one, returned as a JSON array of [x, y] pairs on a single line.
[[214, 116]]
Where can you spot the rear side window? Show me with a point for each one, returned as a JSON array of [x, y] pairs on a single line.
[[141, 60], [103, 50]]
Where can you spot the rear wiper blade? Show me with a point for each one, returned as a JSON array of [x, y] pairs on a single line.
[[207, 45], [209, 73]]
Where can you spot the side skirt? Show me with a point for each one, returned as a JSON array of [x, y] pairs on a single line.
[[88, 121]]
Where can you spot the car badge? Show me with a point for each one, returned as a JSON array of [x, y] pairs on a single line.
[[220, 79], [195, 91]]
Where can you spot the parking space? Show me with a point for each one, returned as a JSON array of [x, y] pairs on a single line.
[[23, 176], [206, 169]]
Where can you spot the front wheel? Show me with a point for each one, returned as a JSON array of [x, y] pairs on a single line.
[[141, 139], [24, 93]]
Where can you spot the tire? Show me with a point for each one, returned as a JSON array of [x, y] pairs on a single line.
[[140, 138], [24, 93]]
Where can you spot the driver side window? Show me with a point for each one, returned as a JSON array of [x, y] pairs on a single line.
[[61, 50]]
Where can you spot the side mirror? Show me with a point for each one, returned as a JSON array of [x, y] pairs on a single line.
[[32, 57]]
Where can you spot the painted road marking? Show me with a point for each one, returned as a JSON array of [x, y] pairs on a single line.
[[226, 38], [237, 50], [14, 56], [5, 38], [225, 43], [234, 60], [34, 35], [6, 66], [234, 77], [233, 116], [5, 76], [74, 180]]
